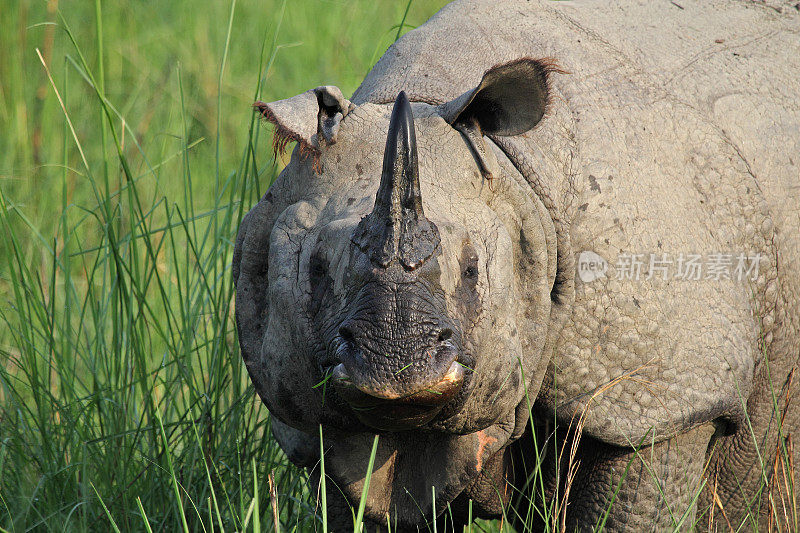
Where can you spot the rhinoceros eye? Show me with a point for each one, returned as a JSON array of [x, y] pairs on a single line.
[[320, 282], [470, 265], [472, 270], [316, 270]]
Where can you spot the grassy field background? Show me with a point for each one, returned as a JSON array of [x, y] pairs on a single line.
[[128, 154]]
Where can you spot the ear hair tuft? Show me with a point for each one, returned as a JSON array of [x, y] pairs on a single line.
[[548, 65], [282, 136]]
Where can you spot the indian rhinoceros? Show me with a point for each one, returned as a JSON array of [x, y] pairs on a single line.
[[547, 251]]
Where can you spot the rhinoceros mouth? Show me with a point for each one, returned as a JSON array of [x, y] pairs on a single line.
[[386, 411]]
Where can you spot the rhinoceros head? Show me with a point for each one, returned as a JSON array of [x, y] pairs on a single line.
[[397, 275]]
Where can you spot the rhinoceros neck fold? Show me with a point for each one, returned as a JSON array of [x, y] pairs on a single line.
[[397, 227]]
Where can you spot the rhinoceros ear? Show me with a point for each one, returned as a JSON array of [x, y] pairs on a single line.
[[510, 99], [311, 118]]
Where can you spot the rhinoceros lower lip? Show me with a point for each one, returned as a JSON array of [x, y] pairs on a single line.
[[386, 411]]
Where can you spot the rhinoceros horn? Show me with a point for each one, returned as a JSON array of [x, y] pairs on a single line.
[[397, 226]]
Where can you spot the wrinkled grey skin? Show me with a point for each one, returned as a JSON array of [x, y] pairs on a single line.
[[674, 130]]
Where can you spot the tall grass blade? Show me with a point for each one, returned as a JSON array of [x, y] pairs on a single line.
[[171, 469], [108, 514], [365, 491], [256, 509], [144, 515], [323, 482]]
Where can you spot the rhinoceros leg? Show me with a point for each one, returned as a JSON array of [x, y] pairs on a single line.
[[655, 486], [750, 470]]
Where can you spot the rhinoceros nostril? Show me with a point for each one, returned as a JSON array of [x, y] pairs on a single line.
[[444, 335], [346, 335]]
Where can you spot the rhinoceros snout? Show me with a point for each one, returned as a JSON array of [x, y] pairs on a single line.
[[402, 388], [384, 410]]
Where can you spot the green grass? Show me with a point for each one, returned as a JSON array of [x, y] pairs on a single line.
[[128, 155], [123, 399]]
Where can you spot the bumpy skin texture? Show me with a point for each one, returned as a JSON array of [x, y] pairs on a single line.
[[676, 130]]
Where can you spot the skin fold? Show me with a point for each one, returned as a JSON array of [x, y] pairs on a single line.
[[415, 270]]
